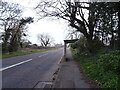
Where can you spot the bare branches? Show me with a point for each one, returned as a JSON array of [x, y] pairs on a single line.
[[58, 8], [13, 26], [51, 8], [45, 39], [80, 15]]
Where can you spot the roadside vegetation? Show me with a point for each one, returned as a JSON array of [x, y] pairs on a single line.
[[24, 52], [101, 66]]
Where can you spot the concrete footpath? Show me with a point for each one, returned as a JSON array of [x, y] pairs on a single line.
[[69, 75]]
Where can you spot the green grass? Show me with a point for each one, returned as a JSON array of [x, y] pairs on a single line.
[[101, 67], [19, 53]]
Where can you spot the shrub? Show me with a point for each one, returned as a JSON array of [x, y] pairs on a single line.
[[110, 61], [94, 45], [110, 64], [80, 45], [105, 70], [83, 46], [109, 80]]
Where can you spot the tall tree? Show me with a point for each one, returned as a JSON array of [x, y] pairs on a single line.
[[12, 26], [80, 15], [18, 33], [119, 25], [106, 27], [90, 18], [9, 15]]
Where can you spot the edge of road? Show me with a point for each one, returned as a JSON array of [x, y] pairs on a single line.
[[54, 77], [55, 74], [26, 53]]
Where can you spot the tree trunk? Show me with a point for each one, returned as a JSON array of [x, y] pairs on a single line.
[[90, 44]]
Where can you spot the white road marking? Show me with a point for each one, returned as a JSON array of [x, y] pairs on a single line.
[[2, 69], [42, 55], [60, 60]]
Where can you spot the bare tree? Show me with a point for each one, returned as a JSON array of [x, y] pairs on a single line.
[[9, 15], [19, 32], [12, 26], [45, 39], [80, 15]]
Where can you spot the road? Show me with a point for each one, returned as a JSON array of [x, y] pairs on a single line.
[[28, 70]]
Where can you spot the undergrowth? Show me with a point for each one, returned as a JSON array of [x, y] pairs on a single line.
[[102, 67]]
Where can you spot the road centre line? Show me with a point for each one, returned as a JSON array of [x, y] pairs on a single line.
[[42, 55], [2, 69]]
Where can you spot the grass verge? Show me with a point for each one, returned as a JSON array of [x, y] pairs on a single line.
[[101, 67], [19, 53]]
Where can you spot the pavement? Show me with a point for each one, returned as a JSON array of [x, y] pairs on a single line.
[[69, 75], [30, 71]]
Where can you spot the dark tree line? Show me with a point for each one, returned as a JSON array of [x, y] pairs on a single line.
[[95, 20], [12, 26], [107, 24]]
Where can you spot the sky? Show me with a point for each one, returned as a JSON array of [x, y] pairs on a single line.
[[56, 28]]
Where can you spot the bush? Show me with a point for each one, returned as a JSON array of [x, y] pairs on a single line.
[[109, 80], [105, 70], [94, 45], [85, 47], [80, 45], [110, 61]]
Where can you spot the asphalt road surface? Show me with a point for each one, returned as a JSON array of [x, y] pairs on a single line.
[[28, 70]]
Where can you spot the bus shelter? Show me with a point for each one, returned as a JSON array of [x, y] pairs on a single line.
[[65, 45]]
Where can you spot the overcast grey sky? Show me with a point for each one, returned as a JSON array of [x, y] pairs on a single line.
[[56, 28]]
